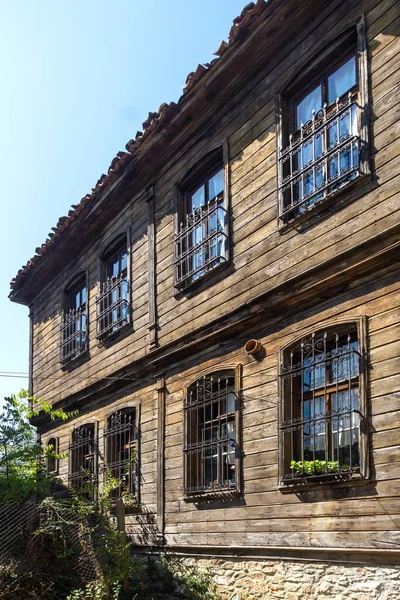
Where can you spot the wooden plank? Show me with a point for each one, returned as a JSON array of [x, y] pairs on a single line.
[[161, 454]]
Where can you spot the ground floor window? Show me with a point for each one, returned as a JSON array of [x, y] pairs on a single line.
[[82, 461], [211, 434], [121, 451]]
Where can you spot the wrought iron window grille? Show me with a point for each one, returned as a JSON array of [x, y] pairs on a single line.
[[321, 157], [82, 474], [74, 334], [121, 451], [201, 242], [112, 305], [211, 447], [320, 411]]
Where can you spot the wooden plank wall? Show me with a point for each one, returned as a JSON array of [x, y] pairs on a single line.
[[315, 517], [50, 380], [263, 258], [264, 515], [144, 396]]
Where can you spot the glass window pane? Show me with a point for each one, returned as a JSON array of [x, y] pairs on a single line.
[[77, 301], [345, 362], [342, 80], [124, 260], [231, 402], [114, 267], [197, 199], [216, 185], [307, 153], [313, 101]]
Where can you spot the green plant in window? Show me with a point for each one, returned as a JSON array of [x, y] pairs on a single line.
[[313, 467]]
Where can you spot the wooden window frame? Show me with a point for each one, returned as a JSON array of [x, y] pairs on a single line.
[[303, 81], [219, 492], [92, 494], [106, 285], [128, 406], [355, 323], [200, 173], [56, 449], [78, 283]]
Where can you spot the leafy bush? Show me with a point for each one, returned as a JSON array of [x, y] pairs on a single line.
[[20, 455]]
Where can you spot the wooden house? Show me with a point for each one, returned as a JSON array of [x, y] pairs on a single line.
[[223, 309]]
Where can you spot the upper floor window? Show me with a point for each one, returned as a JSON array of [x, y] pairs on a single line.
[[322, 405], [74, 340], [322, 135], [82, 474], [121, 451], [212, 460], [113, 298], [202, 227]]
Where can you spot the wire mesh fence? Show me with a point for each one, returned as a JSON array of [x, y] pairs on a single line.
[[17, 522], [29, 530]]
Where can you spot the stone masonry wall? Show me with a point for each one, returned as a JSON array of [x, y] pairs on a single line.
[[284, 580]]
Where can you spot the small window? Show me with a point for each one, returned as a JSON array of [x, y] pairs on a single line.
[[51, 456], [211, 435], [201, 236], [74, 340], [322, 406], [121, 451], [113, 299], [83, 461], [322, 133]]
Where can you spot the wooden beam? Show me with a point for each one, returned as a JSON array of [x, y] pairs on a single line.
[[161, 454], [151, 242]]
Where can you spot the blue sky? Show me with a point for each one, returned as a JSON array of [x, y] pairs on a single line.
[[78, 80]]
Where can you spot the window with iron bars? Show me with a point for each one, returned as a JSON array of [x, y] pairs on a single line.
[[323, 133], [322, 407], [51, 455], [202, 228], [74, 340], [211, 454], [82, 474], [113, 300], [121, 452]]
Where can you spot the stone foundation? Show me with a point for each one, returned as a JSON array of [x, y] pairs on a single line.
[[284, 580]]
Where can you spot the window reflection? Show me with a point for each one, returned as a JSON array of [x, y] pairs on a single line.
[[342, 80], [313, 101]]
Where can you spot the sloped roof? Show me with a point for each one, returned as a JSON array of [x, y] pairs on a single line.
[[241, 26]]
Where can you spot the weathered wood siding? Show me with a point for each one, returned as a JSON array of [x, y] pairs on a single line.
[[263, 259], [262, 256], [144, 397], [366, 515], [363, 515], [50, 380]]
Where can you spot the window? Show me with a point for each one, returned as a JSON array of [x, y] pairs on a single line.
[[322, 405], [83, 461], [113, 299], [211, 454], [74, 340], [121, 451], [201, 232], [323, 135], [51, 455]]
